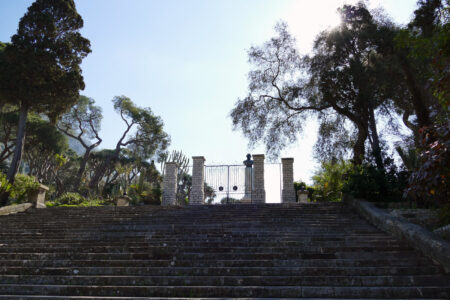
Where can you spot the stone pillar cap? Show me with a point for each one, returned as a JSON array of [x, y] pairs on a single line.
[[44, 187], [288, 158], [258, 155], [199, 157], [171, 163]]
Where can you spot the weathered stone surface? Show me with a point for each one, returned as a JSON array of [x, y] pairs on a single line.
[[209, 251], [302, 196], [170, 181], [12, 209], [428, 243], [427, 218], [123, 201], [288, 192], [197, 195], [258, 189], [37, 197]]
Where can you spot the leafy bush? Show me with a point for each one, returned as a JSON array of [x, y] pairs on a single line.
[[70, 199], [373, 184], [329, 180], [22, 185], [5, 186], [144, 193], [76, 200]]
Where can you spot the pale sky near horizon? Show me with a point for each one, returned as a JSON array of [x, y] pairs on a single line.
[[187, 61]]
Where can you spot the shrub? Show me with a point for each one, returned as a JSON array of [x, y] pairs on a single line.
[[329, 180], [70, 199], [22, 185], [5, 186], [368, 182], [144, 193]]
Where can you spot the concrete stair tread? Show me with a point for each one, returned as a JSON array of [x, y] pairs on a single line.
[[234, 251]]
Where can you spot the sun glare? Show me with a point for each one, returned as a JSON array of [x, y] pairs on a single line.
[[307, 18]]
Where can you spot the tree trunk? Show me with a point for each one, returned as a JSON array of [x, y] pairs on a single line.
[[418, 99], [376, 149], [81, 170], [358, 148], [18, 151]]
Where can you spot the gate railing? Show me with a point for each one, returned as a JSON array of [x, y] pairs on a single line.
[[229, 183]]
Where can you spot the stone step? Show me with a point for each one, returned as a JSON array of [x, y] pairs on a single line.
[[399, 280], [219, 255], [394, 262], [199, 243], [202, 249], [172, 269], [230, 291], [276, 251]]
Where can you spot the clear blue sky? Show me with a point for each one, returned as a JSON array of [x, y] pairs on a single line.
[[187, 61]]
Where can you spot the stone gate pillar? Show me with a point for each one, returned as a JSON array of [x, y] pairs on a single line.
[[170, 182], [197, 195], [258, 191], [288, 192]]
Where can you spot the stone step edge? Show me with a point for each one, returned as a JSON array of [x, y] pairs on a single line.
[[173, 298]]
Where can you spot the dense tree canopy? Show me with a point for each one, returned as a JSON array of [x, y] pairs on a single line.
[[40, 69], [354, 74]]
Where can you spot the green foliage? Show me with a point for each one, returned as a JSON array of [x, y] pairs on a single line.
[[144, 137], [144, 194], [22, 185], [76, 200], [82, 123], [368, 182], [42, 64], [149, 137], [5, 186], [329, 180], [342, 83], [40, 69], [430, 184], [70, 199]]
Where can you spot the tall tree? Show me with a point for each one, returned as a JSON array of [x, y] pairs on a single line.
[[143, 133], [41, 68], [82, 123], [339, 82], [416, 49]]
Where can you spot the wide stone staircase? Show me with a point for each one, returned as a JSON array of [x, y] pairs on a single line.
[[230, 251]]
